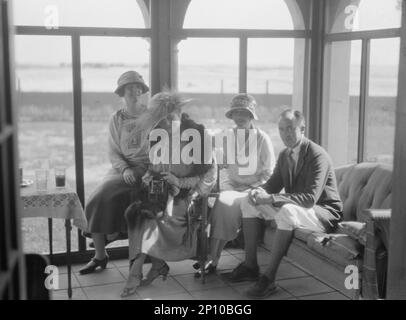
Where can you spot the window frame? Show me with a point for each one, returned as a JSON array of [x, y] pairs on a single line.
[[174, 35], [75, 34], [365, 37]]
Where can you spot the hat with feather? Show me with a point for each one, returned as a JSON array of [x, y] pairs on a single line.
[[160, 106]]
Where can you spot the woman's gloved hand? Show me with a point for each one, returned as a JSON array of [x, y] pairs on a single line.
[[170, 178], [173, 182], [194, 196], [147, 178], [129, 177]]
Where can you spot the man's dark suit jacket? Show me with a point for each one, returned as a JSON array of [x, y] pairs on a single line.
[[313, 186]]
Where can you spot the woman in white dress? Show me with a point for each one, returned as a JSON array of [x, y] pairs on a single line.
[[225, 218]]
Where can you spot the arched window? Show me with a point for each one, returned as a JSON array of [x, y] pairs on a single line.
[[375, 14], [350, 15], [86, 13], [239, 14], [216, 64]]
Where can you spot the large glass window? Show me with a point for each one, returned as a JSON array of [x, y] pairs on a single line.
[[271, 71], [79, 13], [208, 73], [240, 14], [361, 126], [45, 120], [45, 91], [208, 65], [341, 101], [100, 71], [380, 111]]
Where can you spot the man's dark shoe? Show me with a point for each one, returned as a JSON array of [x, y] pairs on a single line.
[[243, 273], [262, 289]]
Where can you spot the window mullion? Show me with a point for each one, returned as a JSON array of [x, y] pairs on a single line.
[[77, 126], [242, 83], [364, 88]]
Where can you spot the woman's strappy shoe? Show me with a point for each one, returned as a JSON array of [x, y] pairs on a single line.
[[154, 273], [94, 264], [209, 269], [130, 290]]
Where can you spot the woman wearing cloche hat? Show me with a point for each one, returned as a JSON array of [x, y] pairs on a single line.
[[128, 155], [225, 218]]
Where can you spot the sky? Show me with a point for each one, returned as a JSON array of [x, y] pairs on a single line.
[[249, 14]]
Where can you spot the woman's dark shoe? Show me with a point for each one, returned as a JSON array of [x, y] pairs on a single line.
[[154, 273], [209, 269], [93, 265]]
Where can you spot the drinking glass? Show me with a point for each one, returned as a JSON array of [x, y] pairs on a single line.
[[41, 178], [60, 177]]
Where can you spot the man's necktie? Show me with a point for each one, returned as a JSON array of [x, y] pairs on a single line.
[[292, 166]]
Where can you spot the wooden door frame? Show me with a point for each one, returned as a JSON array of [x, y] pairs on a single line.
[[12, 263]]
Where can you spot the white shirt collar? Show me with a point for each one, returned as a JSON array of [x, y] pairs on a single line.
[[296, 149]]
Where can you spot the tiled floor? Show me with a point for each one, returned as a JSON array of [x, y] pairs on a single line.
[[292, 281]]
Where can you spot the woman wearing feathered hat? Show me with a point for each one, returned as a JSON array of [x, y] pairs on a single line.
[[169, 233], [128, 154]]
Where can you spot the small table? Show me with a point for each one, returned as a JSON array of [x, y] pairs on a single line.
[[59, 203]]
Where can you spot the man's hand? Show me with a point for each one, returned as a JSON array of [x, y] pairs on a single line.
[[170, 178], [263, 198], [129, 177], [252, 196], [259, 196]]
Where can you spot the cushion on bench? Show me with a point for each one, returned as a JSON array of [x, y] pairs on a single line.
[[339, 248], [364, 186], [302, 234]]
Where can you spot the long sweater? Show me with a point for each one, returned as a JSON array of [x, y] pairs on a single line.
[[235, 180], [125, 148]]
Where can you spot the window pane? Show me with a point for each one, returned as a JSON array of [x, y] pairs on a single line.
[[344, 16], [45, 110], [380, 116], [208, 73], [210, 77], [341, 101], [79, 13], [208, 65], [241, 14], [100, 71], [275, 78]]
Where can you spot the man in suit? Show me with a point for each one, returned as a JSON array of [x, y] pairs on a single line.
[[310, 200]]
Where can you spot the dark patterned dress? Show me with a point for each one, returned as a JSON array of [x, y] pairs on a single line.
[[106, 205], [171, 235]]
